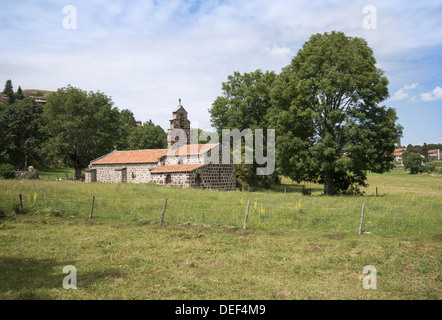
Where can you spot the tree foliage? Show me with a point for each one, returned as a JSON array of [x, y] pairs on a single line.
[[19, 95], [80, 125], [244, 104], [413, 162], [9, 91], [147, 136], [20, 136], [330, 126]]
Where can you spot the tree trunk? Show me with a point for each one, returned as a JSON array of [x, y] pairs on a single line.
[[77, 175], [328, 185]]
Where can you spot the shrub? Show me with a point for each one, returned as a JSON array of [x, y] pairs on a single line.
[[7, 171], [430, 167], [413, 163]]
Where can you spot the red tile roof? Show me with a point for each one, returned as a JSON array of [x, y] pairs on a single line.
[[178, 168], [133, 156], [398, 152], [192, 149]]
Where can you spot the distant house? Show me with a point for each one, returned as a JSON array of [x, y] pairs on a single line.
[[39, 100], [398, 155], [138, 123], [188, 165], [434, 154]]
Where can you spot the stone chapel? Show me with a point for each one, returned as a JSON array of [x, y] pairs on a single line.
[[181, 164]]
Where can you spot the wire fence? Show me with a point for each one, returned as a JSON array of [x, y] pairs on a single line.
[[378, 219]]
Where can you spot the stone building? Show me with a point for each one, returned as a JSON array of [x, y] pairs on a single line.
[[182, 164]]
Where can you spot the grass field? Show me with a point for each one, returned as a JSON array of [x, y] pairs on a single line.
[[37, 92], [294, 247]]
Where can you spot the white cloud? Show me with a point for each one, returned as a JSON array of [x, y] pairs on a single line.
[[400, 95], [278, 51], [147, 54], [435, 94], [411, 86]]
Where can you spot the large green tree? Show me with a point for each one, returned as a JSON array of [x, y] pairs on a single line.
[[80, 125], [126, 128], [20, 138], [147, 136], [244, 104], [330, 126]]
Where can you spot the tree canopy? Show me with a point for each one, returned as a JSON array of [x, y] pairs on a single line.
[[9, 91], [244, 104], [413, 162], [147, 136], [80, 125], [330, 126], [20, 136]]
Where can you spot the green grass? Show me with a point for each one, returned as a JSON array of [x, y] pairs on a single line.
[[56, 173], [295, 246]]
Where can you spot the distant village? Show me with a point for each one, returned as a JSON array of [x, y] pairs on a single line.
[[398, 154]]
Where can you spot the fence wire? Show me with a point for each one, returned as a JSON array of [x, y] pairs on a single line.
[[378, 217]]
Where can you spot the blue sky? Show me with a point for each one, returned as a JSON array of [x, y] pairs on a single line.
[[148, 54]]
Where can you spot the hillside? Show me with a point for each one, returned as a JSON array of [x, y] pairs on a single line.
[[37, 93]]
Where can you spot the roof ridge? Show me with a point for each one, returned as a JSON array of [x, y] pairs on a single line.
[[131, 156], [106, 155]]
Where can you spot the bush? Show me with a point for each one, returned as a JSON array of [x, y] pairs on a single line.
[[430, 167], [7, 171], [414, 163]]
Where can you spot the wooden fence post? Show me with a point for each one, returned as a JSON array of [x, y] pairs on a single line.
[[362, 218], [376, 192], [247, 215], [92, 207], [21, 202], [164, 211]]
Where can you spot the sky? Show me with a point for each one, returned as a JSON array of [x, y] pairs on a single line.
[[148, 54]]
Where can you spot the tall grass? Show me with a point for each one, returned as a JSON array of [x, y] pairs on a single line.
[[405, 205]]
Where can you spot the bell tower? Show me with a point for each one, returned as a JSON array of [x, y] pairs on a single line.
[[179, 121]]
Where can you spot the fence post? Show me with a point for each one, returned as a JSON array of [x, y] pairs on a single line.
[[21, 202], [92, 207], [164, 211], [247, 215], [362, 218], [376, 192]]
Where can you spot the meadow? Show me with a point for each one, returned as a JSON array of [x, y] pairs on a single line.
[[294, 247]]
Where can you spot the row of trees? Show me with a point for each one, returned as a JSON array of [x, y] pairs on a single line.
[[72, 128], [325, 108]]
